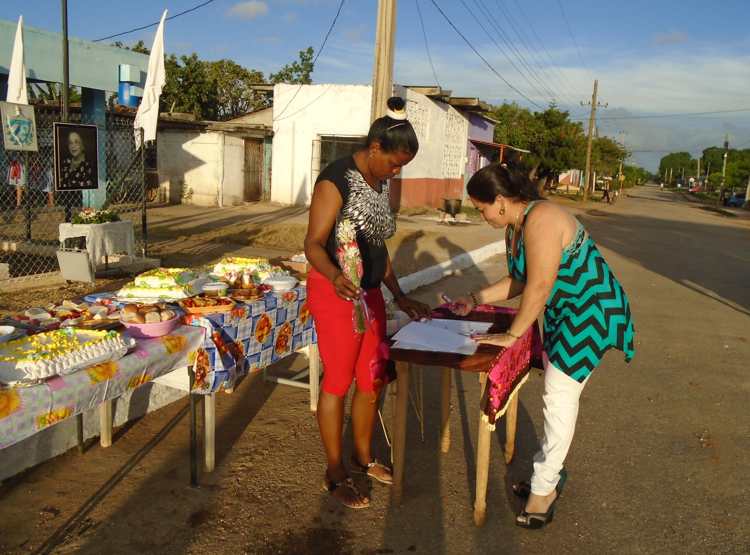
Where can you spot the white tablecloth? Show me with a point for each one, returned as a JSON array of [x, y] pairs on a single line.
[[102, 239]]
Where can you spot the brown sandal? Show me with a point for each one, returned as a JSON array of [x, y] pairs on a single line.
[[367, 469], [330, 486]]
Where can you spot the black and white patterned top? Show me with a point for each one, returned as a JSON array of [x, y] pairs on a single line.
[[78, 177], [370, 212]]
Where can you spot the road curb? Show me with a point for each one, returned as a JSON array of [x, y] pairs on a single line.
[[437, 272]]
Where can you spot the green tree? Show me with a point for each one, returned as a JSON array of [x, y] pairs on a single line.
[[297, 72], [51, 93], [677, 162], [189, 87], [516, 126], [232, 83]]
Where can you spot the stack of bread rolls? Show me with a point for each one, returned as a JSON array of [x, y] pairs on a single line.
[[147, 313]]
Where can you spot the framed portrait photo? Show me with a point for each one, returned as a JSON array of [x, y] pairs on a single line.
[[19, 126], [76, 157]]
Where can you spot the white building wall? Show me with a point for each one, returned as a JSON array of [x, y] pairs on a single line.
[[315, 110], [443, 134], [188, 163]]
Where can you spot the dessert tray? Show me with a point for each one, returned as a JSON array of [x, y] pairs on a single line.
[[58, 352]]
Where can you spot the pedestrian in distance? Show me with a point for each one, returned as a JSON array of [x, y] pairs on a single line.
[[353, 191], [559, 273]]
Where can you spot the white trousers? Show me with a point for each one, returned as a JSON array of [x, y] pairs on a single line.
[[561, 395]]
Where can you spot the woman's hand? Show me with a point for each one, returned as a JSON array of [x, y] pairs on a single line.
[[414, 309], [461, 306], [497, 339], [345, 288]]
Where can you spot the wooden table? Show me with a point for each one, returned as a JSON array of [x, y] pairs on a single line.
[[478, 363]]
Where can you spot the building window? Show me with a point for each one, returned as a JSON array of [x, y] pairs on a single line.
[[329, 148]]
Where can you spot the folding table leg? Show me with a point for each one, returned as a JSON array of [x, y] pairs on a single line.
[[445, 412], [484, 437], [209, 430], [399, 430], [105, 423]]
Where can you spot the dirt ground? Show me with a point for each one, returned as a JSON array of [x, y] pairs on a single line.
[[657, 465]]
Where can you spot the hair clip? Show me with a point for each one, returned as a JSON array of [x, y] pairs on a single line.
[[396, 114], [396, 125]]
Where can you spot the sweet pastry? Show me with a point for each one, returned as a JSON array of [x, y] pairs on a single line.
[[167, 283], [238, 271], [58, 352]]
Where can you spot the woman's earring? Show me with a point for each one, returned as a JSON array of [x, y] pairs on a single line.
[[502, 210]]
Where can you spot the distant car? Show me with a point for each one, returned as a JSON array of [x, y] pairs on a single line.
[[737, 200], [695, 189]]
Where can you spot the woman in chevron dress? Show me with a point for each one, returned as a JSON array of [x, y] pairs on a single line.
[[559, 272]]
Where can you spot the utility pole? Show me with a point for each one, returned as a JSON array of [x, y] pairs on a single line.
[[382, 75], [66, 71], [698, 171], [592, 119]]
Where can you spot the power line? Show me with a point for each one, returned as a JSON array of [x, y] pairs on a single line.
[[684, 114], [569, 90], [426, 44], [540, 92], [489, 65], [572, 36], [198, 6], [317, 55]]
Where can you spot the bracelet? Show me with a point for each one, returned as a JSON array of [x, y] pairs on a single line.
[[474, 299], [513, 335]]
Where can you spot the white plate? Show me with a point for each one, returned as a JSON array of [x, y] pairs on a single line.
[[281, 283], [6, 332]]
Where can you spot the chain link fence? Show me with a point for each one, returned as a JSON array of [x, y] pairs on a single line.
[[30, 217]]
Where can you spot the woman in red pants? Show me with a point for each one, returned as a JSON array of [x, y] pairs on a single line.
[[355, 189]]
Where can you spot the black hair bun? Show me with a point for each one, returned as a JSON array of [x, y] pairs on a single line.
[[396, 103]]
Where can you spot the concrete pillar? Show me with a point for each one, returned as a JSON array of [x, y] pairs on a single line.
[[267, 149], [94, 111]]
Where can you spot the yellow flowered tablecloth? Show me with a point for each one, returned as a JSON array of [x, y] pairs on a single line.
[[24, 411]]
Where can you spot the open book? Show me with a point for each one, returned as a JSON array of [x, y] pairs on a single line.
[[439, 335]]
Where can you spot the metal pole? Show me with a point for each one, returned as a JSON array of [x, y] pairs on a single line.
[[66, 70], [144, 222]]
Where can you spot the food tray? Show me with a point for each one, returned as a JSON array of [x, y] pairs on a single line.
[[209, 309], [12, 376]]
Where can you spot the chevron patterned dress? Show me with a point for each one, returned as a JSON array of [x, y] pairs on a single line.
[[587, 311]]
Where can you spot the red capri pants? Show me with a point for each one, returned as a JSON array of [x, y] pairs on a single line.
[[345, 353]]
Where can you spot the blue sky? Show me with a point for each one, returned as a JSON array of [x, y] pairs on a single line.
[[657, 56]]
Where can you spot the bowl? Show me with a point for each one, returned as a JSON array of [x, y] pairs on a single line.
[[6, 332], [279, 284], [215, 289], [155, 329]]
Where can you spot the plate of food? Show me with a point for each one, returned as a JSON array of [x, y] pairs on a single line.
[[280, 283], [202, 304], [247, 295], [144, 321], [7, 333]]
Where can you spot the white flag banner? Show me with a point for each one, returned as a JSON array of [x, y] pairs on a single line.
[[17, 76], [148, 112]]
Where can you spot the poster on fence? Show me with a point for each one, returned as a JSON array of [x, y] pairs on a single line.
[[76, 157], [19, 126]]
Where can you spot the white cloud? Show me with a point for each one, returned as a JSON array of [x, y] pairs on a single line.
[[248, 10]]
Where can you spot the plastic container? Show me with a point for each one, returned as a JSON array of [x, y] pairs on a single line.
[[155, 329], [215, 289]]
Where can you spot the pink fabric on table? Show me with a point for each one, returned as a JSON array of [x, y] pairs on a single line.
[[510, 368]]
